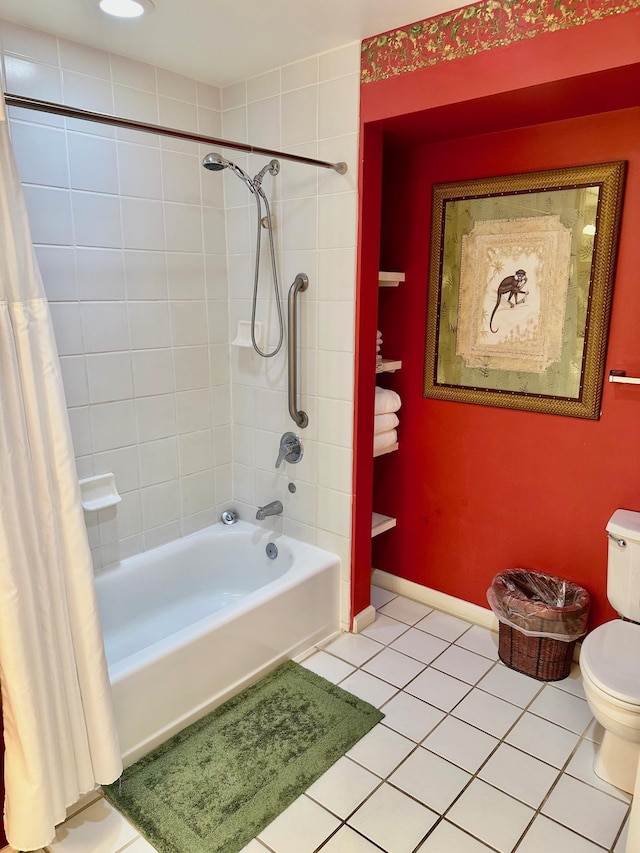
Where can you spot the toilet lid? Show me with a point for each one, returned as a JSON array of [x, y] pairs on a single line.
[[611, 656]]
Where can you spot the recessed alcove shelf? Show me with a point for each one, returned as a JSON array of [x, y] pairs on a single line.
[[390, 279], [390, 365], [380, 523]]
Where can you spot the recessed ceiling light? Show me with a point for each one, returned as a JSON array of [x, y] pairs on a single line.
[[126, 8]]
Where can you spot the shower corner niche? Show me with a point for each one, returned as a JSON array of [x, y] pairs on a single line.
[[381, 523]]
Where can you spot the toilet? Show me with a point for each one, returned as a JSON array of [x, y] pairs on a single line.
[[610, 658]]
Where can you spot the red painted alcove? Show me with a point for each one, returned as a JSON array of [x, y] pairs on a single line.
[[478, 489]]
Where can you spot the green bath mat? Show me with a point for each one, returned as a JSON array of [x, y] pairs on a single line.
[[214, 786]]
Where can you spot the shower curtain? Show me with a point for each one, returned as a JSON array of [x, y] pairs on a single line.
[[59, 727]]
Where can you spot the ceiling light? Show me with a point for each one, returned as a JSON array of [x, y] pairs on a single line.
[[126, 8]]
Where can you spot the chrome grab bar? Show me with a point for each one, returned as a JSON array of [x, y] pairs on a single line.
[[300, 284]]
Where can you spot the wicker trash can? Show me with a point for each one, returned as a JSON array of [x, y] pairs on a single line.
[[541, 618]]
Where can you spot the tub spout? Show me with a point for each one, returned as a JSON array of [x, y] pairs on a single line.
[[274, 508]]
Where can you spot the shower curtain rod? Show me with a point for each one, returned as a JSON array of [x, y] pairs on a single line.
[[131, 124]]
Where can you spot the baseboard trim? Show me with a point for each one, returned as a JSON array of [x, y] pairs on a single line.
[[440, 600], [363, 619]]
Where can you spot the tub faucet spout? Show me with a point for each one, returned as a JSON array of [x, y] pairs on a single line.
[[274, 508]]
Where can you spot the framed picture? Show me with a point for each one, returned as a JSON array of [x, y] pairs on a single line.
[[520, 288]]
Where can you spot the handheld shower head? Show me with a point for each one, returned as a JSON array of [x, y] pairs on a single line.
[[215, 162]]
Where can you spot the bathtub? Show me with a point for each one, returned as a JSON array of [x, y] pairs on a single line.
[[191, 623]]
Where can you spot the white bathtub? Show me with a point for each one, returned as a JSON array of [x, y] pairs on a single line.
[[191, 623]]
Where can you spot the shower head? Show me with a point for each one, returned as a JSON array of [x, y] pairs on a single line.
[[216, 163]]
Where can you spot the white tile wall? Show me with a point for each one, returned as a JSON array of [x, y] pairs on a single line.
[[134, 246]]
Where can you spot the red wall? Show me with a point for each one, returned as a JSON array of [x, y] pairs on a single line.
[[478, 489]]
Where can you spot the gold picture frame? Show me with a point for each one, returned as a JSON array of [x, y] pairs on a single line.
[[520, 289]]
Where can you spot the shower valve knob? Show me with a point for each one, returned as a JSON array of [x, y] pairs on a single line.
[[290, 449]]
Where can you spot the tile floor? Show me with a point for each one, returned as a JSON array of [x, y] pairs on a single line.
[[471, 756]]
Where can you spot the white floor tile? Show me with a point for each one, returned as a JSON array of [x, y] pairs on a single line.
[[621, 843], [392, 820], [572, 683], [461, 744], [581, 767], [381, 750], [510, 685], [405, 610], [254, 847], [368, 687], [463, 664], [141, 845], [478, 809], [444, 626], [438, 688], [410, 716], [420, 645], [394, 667], [329, 667], [519, 775], [301, 828], [447, 838], [480, 640], [380, 597], [343, 787], [346, 840], [354, 648], [544, 834], [458, 728], [99, 828], [385, 629], [586, 810], [84, 801], [487, 712], [430, 779], [566, 710], [542, 739]]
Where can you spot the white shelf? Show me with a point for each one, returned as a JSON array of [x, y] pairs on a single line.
[[99, 492], [390, 365], [380, 523], [384, 450], [390, 279]]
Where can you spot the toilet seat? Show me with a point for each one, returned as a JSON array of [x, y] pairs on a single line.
[[609, 657]]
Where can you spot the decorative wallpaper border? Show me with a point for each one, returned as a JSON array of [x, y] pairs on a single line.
[[476, 28]]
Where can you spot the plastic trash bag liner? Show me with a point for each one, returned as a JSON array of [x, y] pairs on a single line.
[[539, 605]]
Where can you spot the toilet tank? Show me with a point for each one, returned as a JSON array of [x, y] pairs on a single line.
[[623, 572]]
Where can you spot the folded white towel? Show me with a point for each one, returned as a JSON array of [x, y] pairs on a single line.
[[386, 401], [383, 423], [384, 439]]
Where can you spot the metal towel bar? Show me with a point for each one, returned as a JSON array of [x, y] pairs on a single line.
[[300, 284], [621, 376]]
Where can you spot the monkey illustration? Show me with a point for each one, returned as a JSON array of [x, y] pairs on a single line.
[[512, 285]]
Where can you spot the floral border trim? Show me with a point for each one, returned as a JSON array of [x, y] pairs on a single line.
[[476, 28]]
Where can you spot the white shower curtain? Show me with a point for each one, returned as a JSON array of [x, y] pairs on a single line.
[[59, 727]]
